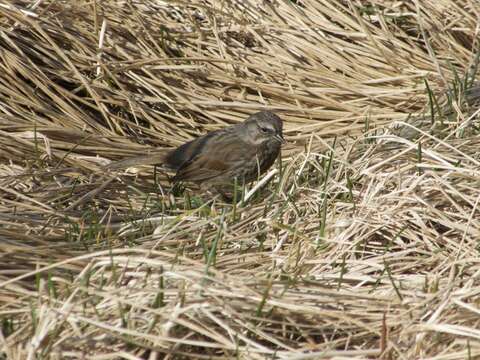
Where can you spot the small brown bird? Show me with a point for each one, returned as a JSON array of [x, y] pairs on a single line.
[[243, 151]]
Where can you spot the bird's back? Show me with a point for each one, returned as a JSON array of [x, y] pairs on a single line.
[[186, 152]]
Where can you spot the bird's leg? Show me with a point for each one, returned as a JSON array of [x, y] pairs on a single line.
[[230, 192], [225, 196]]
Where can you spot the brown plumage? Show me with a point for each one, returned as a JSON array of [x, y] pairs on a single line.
[[243, 151]]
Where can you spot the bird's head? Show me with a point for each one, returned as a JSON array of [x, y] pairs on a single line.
[[262, 127]]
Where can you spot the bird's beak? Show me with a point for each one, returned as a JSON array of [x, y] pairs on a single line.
[[279, 138]]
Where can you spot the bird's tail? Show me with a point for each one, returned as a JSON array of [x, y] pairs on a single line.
[[150, 159]]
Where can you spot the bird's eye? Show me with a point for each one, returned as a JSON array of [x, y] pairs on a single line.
[[264, 130]]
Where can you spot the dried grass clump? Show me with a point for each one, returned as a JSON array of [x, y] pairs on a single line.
[[364, 242]]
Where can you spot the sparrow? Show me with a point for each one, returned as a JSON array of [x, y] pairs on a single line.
[[242, 152]]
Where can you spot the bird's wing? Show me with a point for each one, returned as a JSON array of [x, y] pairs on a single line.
[[186, 152], [216, 160]]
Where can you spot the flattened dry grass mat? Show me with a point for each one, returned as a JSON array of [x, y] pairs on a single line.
[[363, 242]]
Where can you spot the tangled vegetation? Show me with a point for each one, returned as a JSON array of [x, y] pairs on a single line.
[[362, 242]]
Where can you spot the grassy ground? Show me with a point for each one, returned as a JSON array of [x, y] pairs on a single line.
[[363, 244]]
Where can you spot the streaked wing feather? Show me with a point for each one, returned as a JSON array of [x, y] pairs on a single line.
[[216, 160]]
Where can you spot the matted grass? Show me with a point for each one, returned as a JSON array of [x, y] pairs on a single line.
[[363, 243]]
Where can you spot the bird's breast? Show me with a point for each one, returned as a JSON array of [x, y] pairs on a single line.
[[267, 153]]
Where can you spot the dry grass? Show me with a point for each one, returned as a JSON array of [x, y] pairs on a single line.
[[364, 245]]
